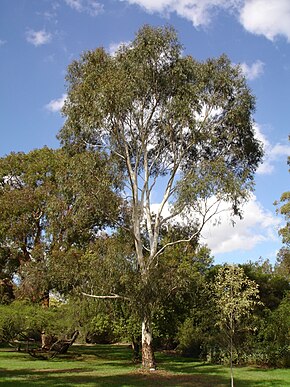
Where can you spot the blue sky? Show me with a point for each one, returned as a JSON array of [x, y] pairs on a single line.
[[39, 38]]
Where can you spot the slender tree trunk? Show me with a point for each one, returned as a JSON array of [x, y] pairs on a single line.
[[148, 358], [46, 340], [135, 344], [231, 362], [231, 342]]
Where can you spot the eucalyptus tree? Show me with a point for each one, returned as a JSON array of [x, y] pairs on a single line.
[[176, 126]]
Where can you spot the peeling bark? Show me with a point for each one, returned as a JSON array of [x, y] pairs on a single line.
[[148, 358]]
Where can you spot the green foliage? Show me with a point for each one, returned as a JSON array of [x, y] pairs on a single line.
[[101, 329], [272, 285], [190, 337], [127, 326], [22, 320], [6, 291], [51, 202], [158, 112], [235, 295], [181, 288], [285, 210], [275, 337], [283, 258]]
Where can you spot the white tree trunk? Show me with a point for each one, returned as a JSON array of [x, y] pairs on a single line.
[[148, 358]]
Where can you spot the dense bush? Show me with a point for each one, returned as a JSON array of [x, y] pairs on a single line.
[[22, 320]]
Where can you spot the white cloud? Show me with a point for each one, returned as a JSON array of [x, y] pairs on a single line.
[[56, 105], [253, 71], [75, 4], [199, 12], [272, 153], [279, 150], [91, 7], [38, 38], [270, 18], [258, 225], [2, 42]]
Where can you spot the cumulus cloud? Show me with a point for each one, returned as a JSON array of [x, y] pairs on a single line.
[[223, 236], [91, 7], [252, 71], [199, 12], [258, 225], [270, 18], [38, 38], [272, 152], [2, 42], [56, 105]]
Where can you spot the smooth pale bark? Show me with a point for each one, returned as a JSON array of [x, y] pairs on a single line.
[[148, 358]]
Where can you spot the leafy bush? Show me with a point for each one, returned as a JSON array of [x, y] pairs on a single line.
[[101, 330], [21, 320], [190, 339]]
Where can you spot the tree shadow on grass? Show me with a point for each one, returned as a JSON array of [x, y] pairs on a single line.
[[58, 378], [173, 371], [83, 377], [189, 368], [108, 351]]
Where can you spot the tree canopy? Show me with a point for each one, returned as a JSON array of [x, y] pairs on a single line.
[[49, 203]]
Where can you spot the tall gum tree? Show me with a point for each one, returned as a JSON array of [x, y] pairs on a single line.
[[171, 122]]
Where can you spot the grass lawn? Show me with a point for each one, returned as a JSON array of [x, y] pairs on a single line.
[[111, 365]]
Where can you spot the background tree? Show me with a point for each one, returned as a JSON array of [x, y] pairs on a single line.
[[180, 286], [49, 203], [275, 337], [269, 343], [173, 124], [235, 297], [272, 285], [283, 258]]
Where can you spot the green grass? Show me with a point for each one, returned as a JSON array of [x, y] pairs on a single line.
[[111, 365]]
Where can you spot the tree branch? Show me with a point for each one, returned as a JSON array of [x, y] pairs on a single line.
[[114, 296], [205, 218]]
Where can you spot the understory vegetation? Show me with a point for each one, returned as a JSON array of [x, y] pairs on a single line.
[[188, 322]]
